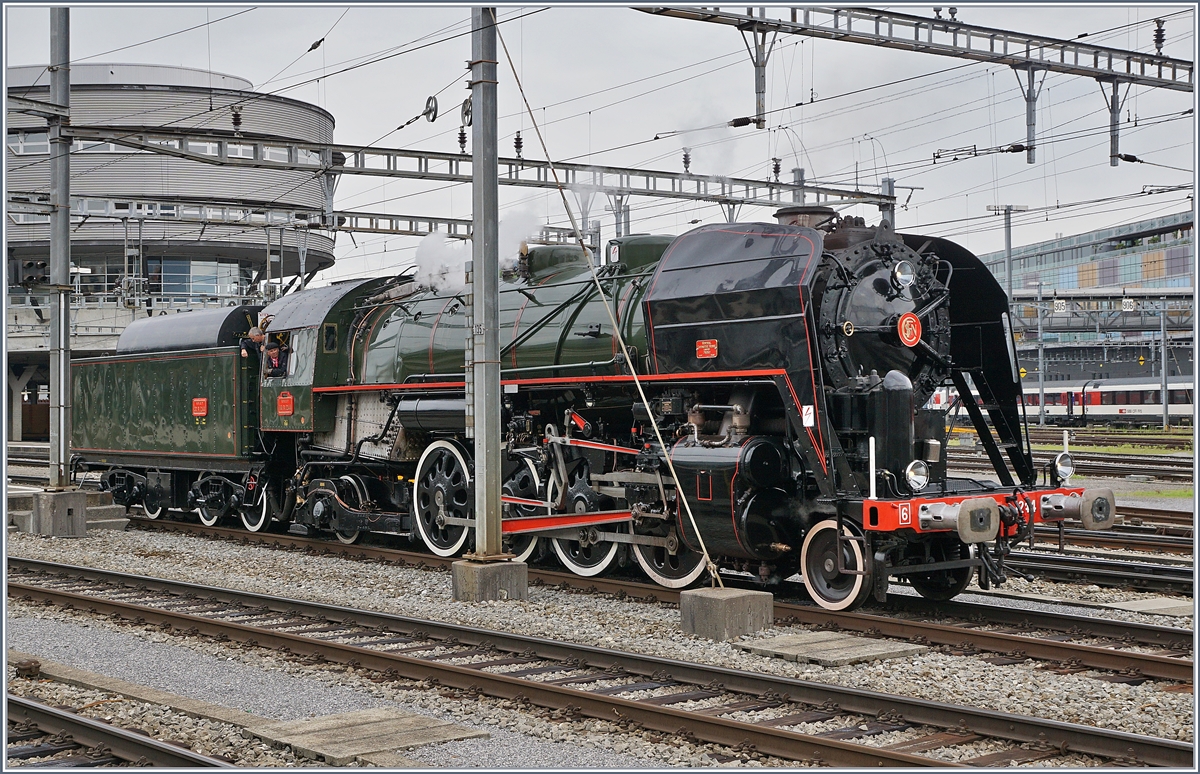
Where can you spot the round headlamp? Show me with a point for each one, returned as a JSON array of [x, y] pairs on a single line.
[[903, 274], [916, 475], [1064, 466]]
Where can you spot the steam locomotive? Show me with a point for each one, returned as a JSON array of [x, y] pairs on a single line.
[[788, 366]]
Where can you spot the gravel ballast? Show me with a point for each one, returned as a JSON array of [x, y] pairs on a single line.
[[267, 684], [648, 628], [206, 737]]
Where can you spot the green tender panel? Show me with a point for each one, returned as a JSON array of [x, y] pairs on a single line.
[[142, 403]]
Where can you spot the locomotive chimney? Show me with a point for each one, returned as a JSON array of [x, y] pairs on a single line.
[[821, 218]]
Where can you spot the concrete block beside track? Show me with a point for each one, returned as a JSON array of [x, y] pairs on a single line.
[[106, 517], [489, 581], [724, 614], [102, 513], [58, 514]]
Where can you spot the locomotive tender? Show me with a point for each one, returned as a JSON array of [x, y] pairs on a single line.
[[786, 365]]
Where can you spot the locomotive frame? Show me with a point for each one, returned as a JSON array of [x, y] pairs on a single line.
[[784, 362]]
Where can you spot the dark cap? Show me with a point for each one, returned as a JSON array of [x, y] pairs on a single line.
[[272, 345]]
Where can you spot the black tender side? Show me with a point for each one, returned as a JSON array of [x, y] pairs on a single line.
[[198, 329]]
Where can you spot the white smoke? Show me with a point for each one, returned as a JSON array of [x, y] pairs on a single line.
[[442, 263], [515, 229]]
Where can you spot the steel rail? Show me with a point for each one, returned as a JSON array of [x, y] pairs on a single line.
[[1093, 656], [1063, 736], [771, 741], [1101, 441], [1148, 634], [1163, 469], [1157, 515], [1096, 657], [127, 745], [1105, 572], [1117, 538]]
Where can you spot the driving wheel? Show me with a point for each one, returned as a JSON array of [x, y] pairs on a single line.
[[526, 484], [441, 490]]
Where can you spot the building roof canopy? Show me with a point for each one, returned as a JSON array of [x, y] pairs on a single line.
[[86, 74]]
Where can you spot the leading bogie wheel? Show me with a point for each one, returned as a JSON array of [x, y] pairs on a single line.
[[944, 585], [255, 518], [442, 489], [829, 587]]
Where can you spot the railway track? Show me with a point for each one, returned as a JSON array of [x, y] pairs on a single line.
[[1092, 438], [1145, 576], [652, 693], [1134, 515], [67, 740], [1132, 531], [1122, 537], [1101, 439], [1161, 467], [1037, 635]]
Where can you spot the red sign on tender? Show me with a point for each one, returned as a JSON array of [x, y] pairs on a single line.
[[285, 404], [909, 328], [199, 407], [706, 349]]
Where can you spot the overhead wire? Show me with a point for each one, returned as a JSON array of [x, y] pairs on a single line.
[[642, 79], [140, 43], [840, 112], [307, 51], [256, 96]]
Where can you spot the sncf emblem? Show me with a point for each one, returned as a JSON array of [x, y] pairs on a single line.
[[905, 513], [706, 349], [909, 328]]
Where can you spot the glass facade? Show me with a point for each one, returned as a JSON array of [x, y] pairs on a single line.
[[1154, 253], [177, 280]]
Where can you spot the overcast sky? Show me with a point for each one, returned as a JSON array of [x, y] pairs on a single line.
[[604, 81]]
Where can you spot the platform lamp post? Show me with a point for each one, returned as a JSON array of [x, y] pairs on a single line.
[[1041, 359], [60, 253], [486, 574], [60, 510], [1008, 210], [1162, 334]]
